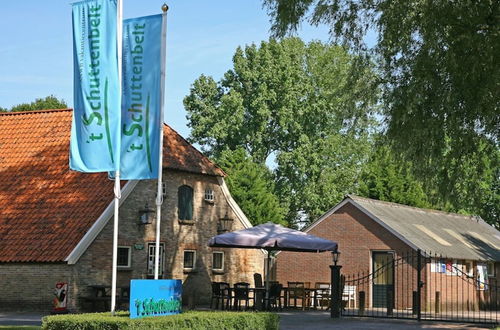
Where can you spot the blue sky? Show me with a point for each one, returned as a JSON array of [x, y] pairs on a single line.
[[36, 46]]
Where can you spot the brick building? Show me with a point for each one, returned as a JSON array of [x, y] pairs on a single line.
[[56, 224], [379, 240]]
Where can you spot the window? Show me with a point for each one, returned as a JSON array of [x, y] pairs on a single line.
[[491, 269], [151, 259], [189, 259], [123, 257], [209, 195], [218, 261], [185, 200]]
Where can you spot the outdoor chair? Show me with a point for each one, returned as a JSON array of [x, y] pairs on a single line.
[[349, 294], [296, 292], [216, 295], [242, 293], [275, 295], [225, 293], [322, 295]]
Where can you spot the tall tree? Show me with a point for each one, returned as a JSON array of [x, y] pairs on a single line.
[[439, 62], [387, 178], [49, 102], [295, 103], [252, 187]]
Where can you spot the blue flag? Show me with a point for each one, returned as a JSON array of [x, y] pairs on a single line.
[[141, 98], [95, 130]]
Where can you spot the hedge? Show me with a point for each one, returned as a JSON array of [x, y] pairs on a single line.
[[188, 320]]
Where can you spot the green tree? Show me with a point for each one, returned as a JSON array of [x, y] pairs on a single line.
[[49, 102], [252, 187], [439, 64], [298, 103], [390, 179]]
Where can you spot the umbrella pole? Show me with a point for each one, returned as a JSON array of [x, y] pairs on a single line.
[[267, 302]]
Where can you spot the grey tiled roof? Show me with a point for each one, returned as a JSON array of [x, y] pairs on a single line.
[[451, 235]]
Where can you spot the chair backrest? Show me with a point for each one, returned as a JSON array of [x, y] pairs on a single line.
[[216, 289], [322, 285], [257, 278], [295, 289], [307, 285], [224, 288], [349, 290], [241, 290], [275, 290]]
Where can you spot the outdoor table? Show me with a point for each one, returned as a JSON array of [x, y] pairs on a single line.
[[102, 293], [312, 295]]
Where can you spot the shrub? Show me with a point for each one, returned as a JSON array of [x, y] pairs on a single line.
[[189, 320]]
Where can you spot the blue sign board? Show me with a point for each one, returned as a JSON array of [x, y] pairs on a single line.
[[155, 298]]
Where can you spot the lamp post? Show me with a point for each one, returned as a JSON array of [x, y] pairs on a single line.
[[335, 296]]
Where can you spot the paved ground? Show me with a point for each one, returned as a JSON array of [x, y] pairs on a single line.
[[321, 320], [16, 318], [314, 320]]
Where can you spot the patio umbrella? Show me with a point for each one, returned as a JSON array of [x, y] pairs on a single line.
[[272, 237]]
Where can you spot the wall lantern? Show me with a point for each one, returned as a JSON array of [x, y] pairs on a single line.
[[336, 255], [224, 224], [145, 217]]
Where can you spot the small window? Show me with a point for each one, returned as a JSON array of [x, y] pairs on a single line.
[[491, 269], [218, 261], [151, 259], [209, 195], [185, 202], [189, 259], [123, 257]]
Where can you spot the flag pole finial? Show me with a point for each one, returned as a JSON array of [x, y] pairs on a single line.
[[164, 8]]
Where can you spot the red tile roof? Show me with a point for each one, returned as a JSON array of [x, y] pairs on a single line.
[[46, 209]]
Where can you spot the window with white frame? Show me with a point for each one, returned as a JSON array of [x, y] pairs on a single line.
[[151, 259], [209, 195], [491, 269], [218, 261], [124, 257], [189, 259]]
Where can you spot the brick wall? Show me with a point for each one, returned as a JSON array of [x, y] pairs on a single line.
[[32, 285], [358, 236]]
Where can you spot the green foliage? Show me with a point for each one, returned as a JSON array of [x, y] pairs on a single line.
[[252, 187], [49, 102], [318, 174], [189, 320], [438, 63], [388, 179], [300, 103]]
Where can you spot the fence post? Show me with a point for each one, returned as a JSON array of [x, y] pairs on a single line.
[[437, 302], [336, 295], [414, 304], [362, 299], [390, 305], [419, 285]]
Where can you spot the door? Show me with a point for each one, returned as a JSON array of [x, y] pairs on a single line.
[[383, 278]]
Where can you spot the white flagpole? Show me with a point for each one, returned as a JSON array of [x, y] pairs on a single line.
[[159, 193], [119, 33]]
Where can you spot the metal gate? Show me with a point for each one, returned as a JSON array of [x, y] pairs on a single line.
[[422, 286]]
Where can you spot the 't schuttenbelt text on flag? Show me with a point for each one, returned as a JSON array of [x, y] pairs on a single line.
[[95, 131]]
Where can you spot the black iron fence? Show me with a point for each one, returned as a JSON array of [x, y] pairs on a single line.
[[423, 286]]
